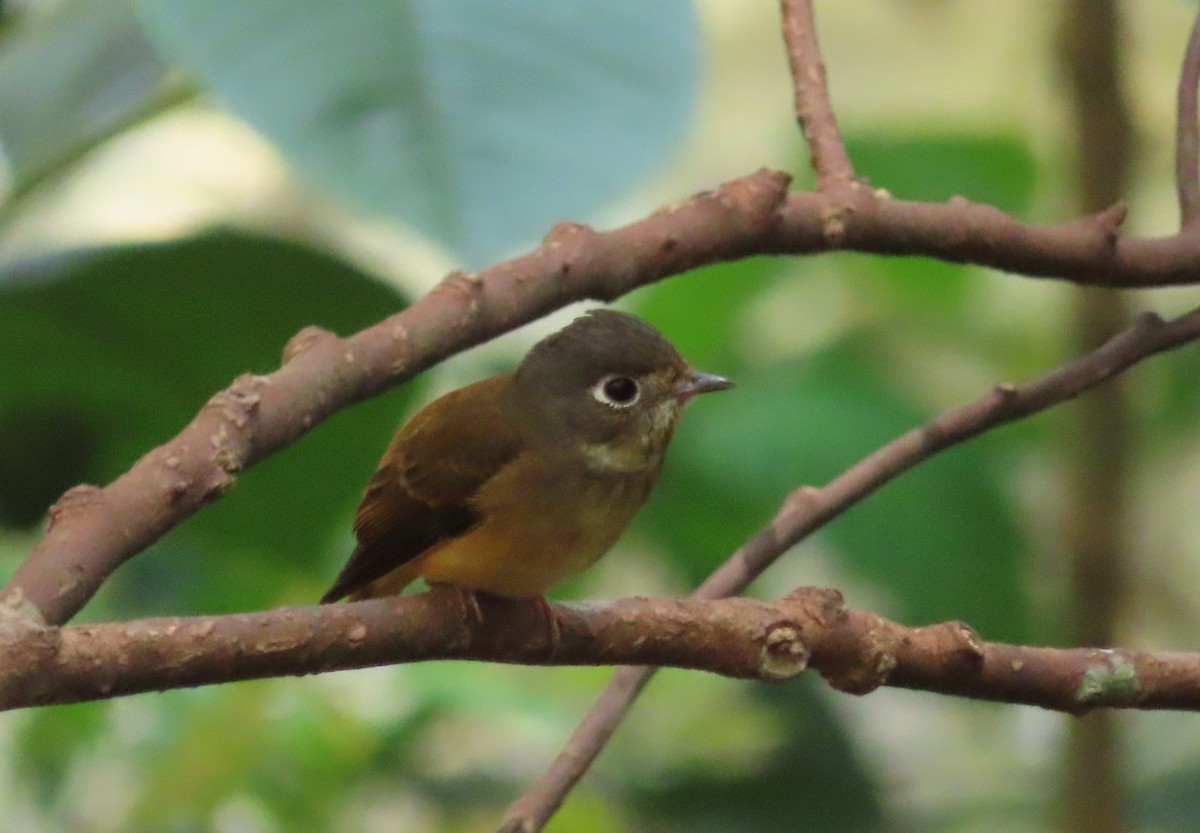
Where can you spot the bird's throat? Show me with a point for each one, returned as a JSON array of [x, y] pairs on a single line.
[[637, 450]]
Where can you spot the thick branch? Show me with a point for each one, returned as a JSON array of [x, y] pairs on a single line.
[[854, 651], [42, 665], [808, 509], [813, 109]]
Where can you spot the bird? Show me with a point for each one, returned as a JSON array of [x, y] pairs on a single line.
[[518, 482]]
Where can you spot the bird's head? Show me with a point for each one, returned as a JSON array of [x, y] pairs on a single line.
[[609, 387]]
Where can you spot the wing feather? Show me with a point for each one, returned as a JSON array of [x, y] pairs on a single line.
[[424, 490]]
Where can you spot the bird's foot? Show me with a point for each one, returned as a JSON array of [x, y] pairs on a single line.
[[554, 629], [468, 601]]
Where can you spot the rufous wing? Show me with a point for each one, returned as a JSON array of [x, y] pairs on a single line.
[[424, 490]]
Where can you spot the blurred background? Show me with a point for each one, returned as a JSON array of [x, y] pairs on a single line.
[[186, 183]]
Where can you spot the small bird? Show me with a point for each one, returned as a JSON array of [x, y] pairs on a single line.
[[520, 481]]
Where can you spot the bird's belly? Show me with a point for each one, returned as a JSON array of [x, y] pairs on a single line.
[[525, 553]]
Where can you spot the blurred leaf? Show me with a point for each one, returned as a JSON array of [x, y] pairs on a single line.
[[52, 739], [925, 291], [51, 445], [812, 781], [218, 741], [996, 169], [1174, 400], [123, 345], [999, 169], [1168, 803], [698, 311], [478, 123], [70, 78], [940, 540]]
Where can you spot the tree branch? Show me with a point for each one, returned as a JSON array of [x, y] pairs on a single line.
[[854, 651], [94, 530], [813, 109], [808, 509]]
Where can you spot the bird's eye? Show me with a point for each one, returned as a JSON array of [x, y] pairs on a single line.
[[616, 391]]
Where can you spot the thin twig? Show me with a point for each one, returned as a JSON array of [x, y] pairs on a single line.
[[813, 109], [1187, 147], [808, 509]]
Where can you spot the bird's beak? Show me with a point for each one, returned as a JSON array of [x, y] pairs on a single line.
[[696, 382]]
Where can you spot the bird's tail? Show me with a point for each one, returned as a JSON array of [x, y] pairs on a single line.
[[389, 584]]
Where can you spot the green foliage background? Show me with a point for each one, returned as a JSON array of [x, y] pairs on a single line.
[[408, 137]]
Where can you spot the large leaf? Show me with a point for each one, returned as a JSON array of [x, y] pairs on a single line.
[[70, 79], [940, 541], [478, 123], [110, 352]]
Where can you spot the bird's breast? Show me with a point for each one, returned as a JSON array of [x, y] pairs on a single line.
[[542, 525]]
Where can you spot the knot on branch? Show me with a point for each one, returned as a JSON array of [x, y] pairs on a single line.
[[399, 335], [568, 240], [568, 233], [239, 402], [956, 645], [470, 283], [758, 196], [868, 669], [799, 504], [74, 499], [833, 224], [854, 652], [305, 340], [27, 645], [825, 607], [1110, 222], [784, 653]]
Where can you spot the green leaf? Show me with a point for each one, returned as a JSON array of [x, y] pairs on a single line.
[[124, 345], [698, 311], [940, 541], [44, 748], [996, 169], [1172, 398], [999, 170], [478, 123], [68, 80]]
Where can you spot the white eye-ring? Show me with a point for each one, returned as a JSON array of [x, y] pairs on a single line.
[[617, 391]]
